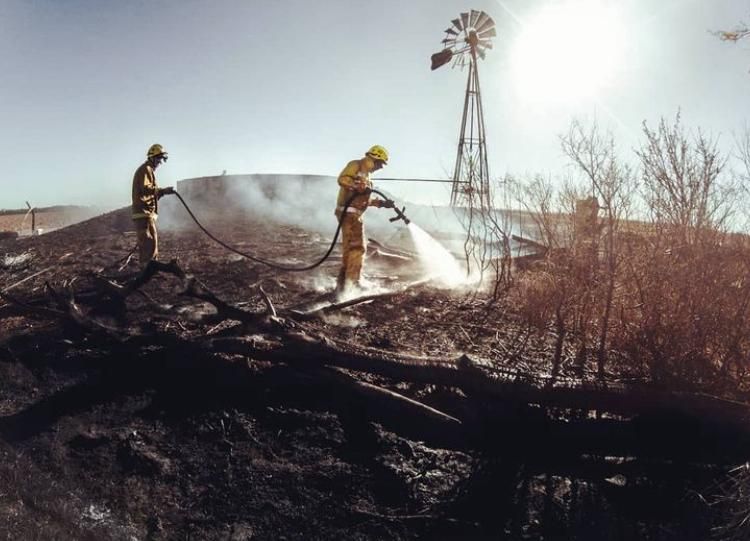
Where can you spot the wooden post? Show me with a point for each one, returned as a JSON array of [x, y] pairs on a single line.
[[32, 210]]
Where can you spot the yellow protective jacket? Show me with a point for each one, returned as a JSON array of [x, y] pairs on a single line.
[[145, 192], [349, 179]]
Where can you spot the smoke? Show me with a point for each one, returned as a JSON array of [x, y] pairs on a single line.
[[307, 202], [302, 201], [290, 200]]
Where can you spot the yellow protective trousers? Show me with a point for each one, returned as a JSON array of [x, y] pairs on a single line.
[[148, 242], [352, 250]]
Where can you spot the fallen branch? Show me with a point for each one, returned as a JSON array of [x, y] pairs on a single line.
[[475, 380], [70, 309], [29, 310], [397, 403], [335, 306], [267, 301], [12, 286], [192, 287], [280, 340]]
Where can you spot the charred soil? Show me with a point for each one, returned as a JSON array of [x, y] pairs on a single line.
[[104, 436]]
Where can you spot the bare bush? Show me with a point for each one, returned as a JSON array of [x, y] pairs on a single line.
[[613, 185], [487, 241], [742, 176], [684, 312], [584, 257], [683, 183], [549, 296], [670, 294]]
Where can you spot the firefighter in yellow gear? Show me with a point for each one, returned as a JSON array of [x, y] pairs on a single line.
[[355, 179], [145, 207]]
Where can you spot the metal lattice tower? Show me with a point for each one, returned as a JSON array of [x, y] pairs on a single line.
[[465, 42]]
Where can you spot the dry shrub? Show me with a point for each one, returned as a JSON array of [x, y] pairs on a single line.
[[669, 295], [535, 294], [686, 322]]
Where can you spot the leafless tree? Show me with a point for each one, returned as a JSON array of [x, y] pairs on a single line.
[[682, 181], [548, 297], [743, 153], [538, 199], [669, 294], [487, 241], [613, 184], [686, 272]]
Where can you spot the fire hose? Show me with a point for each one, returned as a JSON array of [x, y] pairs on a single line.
[[399, 216]]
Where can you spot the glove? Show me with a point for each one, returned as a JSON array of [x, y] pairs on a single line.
[[387, 204], [166, 191]]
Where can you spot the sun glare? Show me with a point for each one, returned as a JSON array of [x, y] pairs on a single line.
[[568, 51]]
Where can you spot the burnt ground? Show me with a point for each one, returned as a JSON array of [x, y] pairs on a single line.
[[101, 442]]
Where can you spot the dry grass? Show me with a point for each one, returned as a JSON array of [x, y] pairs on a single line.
[[20, 222]]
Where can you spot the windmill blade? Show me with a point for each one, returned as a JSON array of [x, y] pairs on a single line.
[[465, 20], [451, 31], [448, 42], [440, 59], [486, 24], [486, 28], [481, 20], [488, 34], [473, 17], [457, 24], [482, 50], [485, 44]]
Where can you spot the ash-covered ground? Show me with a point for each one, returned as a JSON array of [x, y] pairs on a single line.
[[163, 442]]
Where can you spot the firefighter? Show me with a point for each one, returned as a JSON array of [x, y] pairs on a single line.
[[355, 179], [145, 203]]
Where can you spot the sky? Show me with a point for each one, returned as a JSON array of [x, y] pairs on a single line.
[[301, 87]]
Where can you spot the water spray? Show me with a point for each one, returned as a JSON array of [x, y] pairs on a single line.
[[432, 254]]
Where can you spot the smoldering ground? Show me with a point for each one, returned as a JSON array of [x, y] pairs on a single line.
[[437, 234]]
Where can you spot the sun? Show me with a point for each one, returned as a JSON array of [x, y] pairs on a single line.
[[568, 51]]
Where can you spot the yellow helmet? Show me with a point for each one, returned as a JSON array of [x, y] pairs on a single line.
[[155, 150], [378, 153]]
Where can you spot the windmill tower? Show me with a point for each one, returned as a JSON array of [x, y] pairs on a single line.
[[466, 41]]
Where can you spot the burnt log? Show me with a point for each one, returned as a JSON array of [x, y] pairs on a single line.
[[481, 382], [514, 396]]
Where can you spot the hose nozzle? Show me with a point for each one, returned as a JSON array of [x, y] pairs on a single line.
[[400, 215], [399, 212]]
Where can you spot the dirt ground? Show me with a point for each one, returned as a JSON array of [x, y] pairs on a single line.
[[45, 220], [101, 443]]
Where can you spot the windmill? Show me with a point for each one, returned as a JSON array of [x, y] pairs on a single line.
[[466, 41]]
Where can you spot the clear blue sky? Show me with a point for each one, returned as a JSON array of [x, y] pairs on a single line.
[[295, 86]]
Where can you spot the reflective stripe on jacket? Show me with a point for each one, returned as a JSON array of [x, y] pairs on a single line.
[[145, 198], [348, 210], [143, 215]]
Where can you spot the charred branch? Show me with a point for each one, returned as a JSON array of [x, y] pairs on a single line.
[[285, 342]]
